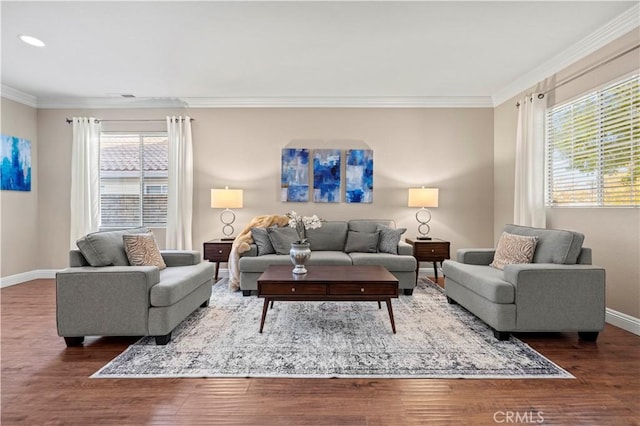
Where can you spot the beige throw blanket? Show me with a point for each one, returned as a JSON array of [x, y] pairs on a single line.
[[242, 244]]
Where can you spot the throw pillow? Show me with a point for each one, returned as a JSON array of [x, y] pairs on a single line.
[[142, 250], [106, 248], [281, 238], [513, 249], [261, 238], [362, 242], [389, 239]]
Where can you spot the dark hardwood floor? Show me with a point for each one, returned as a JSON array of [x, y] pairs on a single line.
[[43, 382]]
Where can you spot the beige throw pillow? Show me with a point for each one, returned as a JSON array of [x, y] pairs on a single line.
[[514, 249], [142, 250]]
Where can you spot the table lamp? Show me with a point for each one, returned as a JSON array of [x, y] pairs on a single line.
[[226, 199], [423, 198]]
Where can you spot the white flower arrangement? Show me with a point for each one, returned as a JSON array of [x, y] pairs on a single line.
[[302, 223]]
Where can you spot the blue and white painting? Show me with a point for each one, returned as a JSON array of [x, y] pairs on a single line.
[[294, 182], [15, 171], [359, 171], [326, 175]]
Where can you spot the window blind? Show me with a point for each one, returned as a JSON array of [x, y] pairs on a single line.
[[593, 150]]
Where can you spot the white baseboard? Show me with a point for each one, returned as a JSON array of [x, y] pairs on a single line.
[[623, 321], [618, 319], [37, 274]]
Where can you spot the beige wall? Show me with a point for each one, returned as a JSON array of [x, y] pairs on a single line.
[[614, 234], [451, 148], [19, 211]]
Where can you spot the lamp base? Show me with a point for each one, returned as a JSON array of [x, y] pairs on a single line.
[[227, 238], [423, 238]]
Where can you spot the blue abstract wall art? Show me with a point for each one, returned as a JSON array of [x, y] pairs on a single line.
[[326, 175], [359, 171], [294, 181], [15, 167]]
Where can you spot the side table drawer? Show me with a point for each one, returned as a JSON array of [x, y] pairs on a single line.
[[435, 251], [291, 289], [218, 252], [390, 289]]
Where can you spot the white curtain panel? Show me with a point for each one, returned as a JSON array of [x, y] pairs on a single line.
[[529, 209], [85, 178], [180, 199]]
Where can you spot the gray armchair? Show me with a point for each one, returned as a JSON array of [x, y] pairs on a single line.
[[559, 291], [127, 300]]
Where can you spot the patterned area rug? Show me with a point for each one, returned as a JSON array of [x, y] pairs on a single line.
[[332, 339]]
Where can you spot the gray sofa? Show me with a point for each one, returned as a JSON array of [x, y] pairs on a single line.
[[559, 291], [124, 300], [328, 244]]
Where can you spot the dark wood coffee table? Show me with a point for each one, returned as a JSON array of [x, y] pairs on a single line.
[[365, 283]]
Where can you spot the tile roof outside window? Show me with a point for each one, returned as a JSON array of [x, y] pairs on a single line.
[[128, 196]]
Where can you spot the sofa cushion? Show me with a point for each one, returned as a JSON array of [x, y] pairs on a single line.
[[142, 250], [263, 242], [480, 279], [392, 262], [178, 282], [362, 242], [260, 264], [369, 225], [106, 248], [389, 239], [554, 245], [282, 238], [330, 236], [512, 249]]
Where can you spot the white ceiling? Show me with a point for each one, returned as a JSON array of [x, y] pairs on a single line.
[[304, 53]]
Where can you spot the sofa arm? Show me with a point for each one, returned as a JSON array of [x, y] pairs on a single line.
[[180, 257], [476, 256], [108, 300], [405, 248], [558, 297]]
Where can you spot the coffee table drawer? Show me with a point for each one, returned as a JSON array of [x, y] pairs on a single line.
[[382, 289], [291, 289]]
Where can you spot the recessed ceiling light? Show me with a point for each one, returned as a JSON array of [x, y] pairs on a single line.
[[31, 40]]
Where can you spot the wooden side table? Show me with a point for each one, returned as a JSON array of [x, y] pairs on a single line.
[[217, 251], [435, 250]]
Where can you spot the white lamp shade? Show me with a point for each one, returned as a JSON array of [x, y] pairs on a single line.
[[423, 197], [226, 198]]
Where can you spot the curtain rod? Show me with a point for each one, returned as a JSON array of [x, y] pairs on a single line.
[[585, 71], [134, 120]]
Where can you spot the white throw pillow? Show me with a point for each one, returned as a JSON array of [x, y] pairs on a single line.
[[513, 249]]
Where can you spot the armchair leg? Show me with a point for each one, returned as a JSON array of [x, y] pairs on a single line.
[[205, 304], [74, 341], [408, 291], [163, 340], [246, 293], [588, 336], [501, 335], [451, 301]]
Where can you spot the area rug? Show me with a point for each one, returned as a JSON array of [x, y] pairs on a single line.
[[332, 339]]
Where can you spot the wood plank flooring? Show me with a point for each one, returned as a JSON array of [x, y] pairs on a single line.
[[45, 383]]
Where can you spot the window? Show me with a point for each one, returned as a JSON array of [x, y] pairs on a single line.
[[593, 148], [133, 180]]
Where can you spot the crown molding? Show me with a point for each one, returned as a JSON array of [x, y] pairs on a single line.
[[107, 103], [609, 32], [18, 96], [614, 29], [274, 102], [344, 102]]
